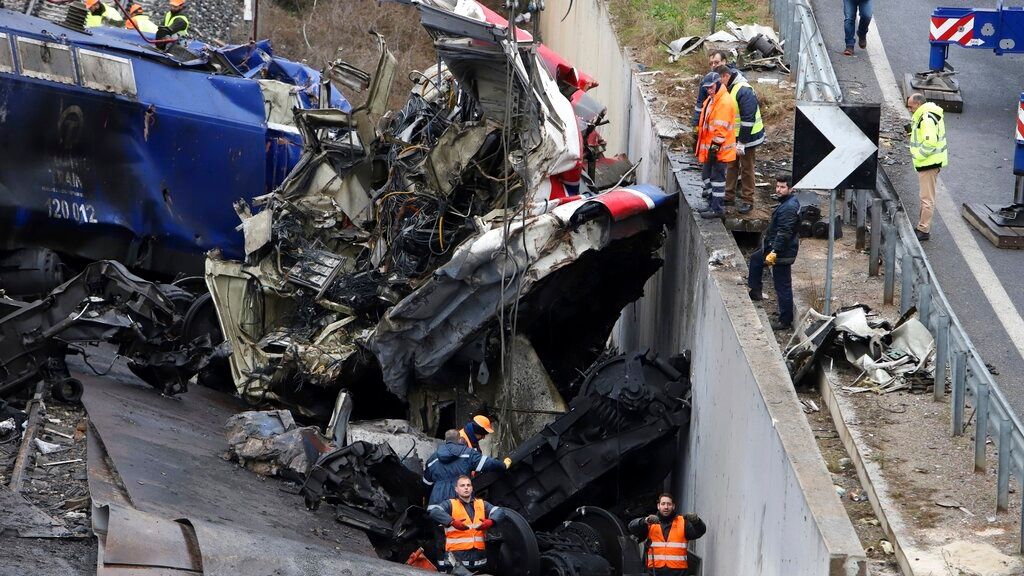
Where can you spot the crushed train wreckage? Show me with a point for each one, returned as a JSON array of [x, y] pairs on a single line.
[[468, 253]]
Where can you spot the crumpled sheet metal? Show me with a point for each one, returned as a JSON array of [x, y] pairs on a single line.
[[425, 329], [269, 443]]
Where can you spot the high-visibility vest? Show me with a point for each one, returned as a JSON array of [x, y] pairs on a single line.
[[757, 128], [170, 17], [143, 23], [716, 127], [465, 437], [108, 16], [667, 552], [457, 540], [928, 137]]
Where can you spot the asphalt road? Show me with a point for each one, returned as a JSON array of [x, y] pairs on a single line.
[[981, 170]]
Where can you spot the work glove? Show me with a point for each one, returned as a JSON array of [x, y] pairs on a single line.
[[691, 518], [508, 463], [713, 153], [740, 149], [652, 519], [459, 525], [486, 524], [771, 258]]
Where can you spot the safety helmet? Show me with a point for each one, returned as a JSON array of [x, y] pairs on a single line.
[[90, 3], [483, 422], [135, 9], [177, 3]]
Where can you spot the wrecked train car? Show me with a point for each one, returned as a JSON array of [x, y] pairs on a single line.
[[415, 246], [111, 148]]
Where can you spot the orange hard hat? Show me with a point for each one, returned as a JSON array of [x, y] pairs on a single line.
[[135, 9], [483, 422], [90, 3], [177, 3]]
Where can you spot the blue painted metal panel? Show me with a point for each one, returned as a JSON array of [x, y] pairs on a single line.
[[148, 180]]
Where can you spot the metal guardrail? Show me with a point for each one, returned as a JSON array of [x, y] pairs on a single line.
[[806, 52], [894, 245]]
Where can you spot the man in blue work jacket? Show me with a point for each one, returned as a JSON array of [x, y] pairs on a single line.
[[454, 459], [778, 251], [715, 59]]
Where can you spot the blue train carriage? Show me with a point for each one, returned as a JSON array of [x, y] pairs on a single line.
[[113, 149]]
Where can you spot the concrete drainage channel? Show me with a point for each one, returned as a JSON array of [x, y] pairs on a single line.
[[753, 470]]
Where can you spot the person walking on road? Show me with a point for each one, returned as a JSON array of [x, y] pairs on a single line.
[[453, 459], [465, 520], [666, 536], [929, 153], [749, 135], [778, 250], [716, 142], [850, 10]]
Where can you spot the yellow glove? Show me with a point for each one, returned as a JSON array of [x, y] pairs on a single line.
[[508, 463], [771, 258]]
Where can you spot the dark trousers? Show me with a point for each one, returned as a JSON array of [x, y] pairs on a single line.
[[782, 275], [740, 176]]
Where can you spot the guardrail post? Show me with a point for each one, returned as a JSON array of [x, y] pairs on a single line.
[[980, 426], [876, 236], [889, 260], [924, 303], [907, 285], [959, 391], [861, 197], [1003, 473], [941, 356]]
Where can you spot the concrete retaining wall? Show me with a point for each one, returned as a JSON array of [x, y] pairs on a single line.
[[753, 470]]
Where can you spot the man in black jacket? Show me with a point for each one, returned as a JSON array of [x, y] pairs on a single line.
[[778, 251], [666, 536]]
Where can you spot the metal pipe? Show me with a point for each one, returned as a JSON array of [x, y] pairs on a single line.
[[876, 236], [941, 356], [907, 282], [889, 261], [980, 426], [959, 391], [1003, 473], [862, 207], [924, 303], [714, 16], [831, 251]]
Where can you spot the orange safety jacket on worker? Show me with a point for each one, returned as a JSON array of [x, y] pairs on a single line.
[[717, 126], [667, 552], [469, 539]]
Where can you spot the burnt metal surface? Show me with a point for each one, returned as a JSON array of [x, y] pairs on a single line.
[[626, 417], [103, 303], [166, 455], [368, 483]]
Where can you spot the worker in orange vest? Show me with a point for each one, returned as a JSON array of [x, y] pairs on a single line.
[[465, 520], [138, 19], [716, 142], [476, 430], [667, 536]]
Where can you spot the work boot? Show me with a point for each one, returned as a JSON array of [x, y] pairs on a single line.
[[779, 326], [745, 208], [755, 296], [714, 209], [863, 42], [729, 202], [922, 236], [705, 194]]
